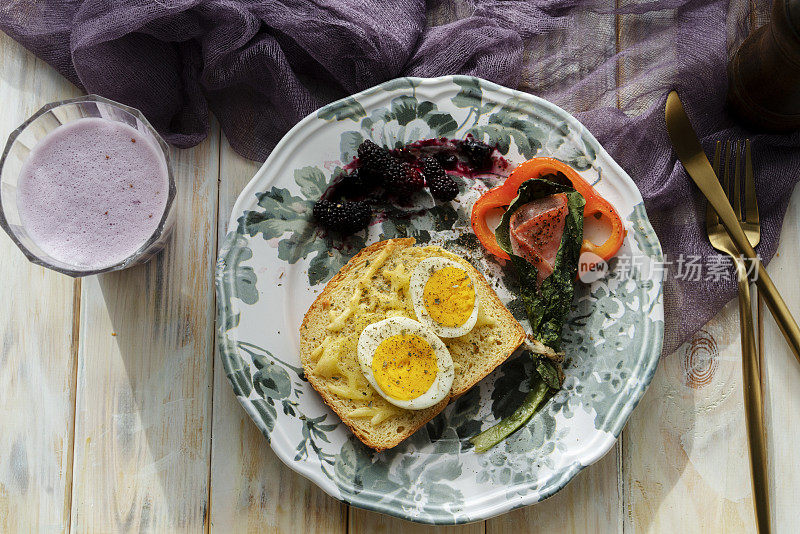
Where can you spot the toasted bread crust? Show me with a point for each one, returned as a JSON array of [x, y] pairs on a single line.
[[358, 430]]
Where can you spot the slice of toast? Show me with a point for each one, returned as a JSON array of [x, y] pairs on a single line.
[[373, 285]]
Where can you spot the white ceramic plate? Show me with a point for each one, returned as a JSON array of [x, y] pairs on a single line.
[[274, 262]]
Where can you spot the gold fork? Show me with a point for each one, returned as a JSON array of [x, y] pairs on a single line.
[[751, 368]]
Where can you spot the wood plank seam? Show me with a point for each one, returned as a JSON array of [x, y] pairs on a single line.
[[207, 511], [76, 326], [619, 450], [620, 486], [618, 48]]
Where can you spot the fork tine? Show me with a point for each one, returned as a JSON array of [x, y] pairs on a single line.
[[712, 219], [726, 175], [737, 182], [717, 158], [750, 201]]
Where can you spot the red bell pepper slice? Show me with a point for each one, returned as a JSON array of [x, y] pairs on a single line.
[[502, 195]]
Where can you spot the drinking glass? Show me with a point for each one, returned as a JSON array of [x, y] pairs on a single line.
[[18, 148]]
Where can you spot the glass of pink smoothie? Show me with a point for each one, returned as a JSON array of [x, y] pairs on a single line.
[[86, 187]]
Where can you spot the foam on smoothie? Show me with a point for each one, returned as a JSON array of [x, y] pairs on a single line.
[[92, 192]]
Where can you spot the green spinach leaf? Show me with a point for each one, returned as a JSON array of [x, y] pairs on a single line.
[[548, 372], [548, 304]]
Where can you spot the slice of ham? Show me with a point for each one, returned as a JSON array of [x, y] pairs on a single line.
[[536, 230]]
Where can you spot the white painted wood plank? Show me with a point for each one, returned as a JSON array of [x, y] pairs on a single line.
[[685, 458], [782, 379], [251, 489], [143, 418], [36, 328]]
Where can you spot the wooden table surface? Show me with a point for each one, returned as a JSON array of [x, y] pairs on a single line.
[[116, 415]]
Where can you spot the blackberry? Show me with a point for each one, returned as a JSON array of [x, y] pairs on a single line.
[[356, 178], [373, 158], [356, 183], [346, 217], [447, 160], [478, 154], [444, 189], [442, 186], [401, 178], [432, 169]]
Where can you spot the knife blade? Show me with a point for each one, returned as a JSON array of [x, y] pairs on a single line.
[[690, 153]]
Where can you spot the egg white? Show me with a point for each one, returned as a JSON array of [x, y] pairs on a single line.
[[420, 277], [374, 334]]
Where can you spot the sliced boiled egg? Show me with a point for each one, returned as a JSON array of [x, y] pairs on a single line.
[[405, 362], [444, 296]]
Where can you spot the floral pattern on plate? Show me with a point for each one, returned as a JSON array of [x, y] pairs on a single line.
[[275, 261]]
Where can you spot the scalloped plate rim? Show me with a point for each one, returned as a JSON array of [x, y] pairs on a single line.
[[366, 98]]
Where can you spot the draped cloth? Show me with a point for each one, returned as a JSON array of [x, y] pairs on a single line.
[[262, 65]]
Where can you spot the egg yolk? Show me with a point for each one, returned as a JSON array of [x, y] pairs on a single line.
[[404, 366], [449, 296]]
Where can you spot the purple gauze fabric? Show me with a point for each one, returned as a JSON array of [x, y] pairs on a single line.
[[260, 66]]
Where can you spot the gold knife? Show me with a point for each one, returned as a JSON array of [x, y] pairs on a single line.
[[691, 154]]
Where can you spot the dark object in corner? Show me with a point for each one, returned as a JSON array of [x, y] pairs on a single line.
[[764, 74]]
